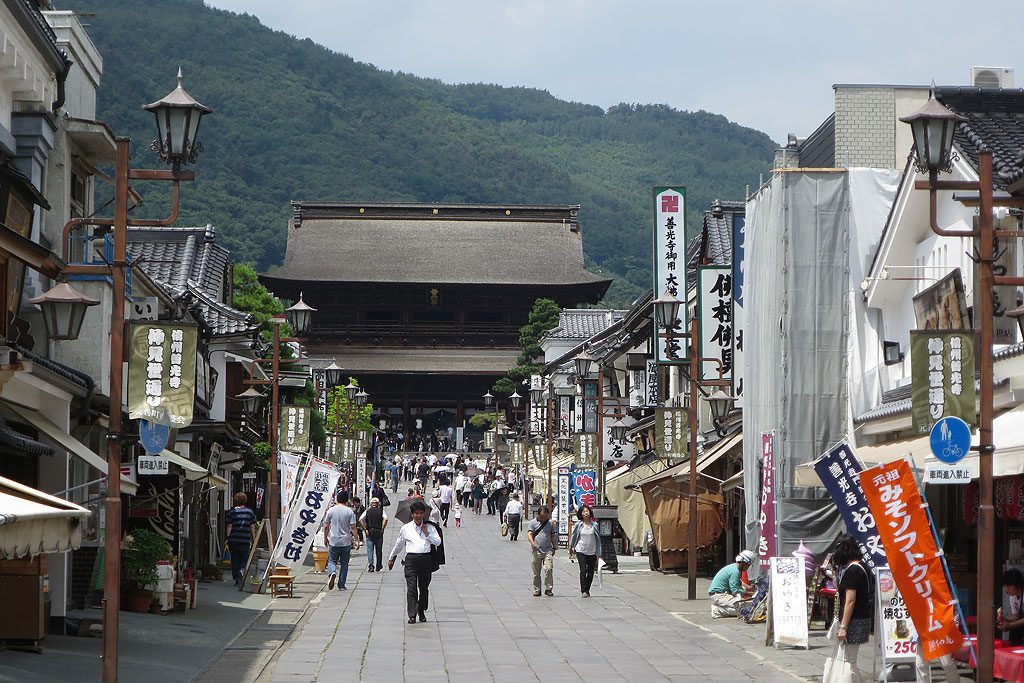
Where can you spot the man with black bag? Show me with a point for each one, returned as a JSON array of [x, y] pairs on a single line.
[[374, 521], [421, 540], [541, 536]]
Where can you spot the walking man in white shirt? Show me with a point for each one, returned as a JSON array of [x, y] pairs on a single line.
[[446, 493], [416, 538], [513, 516]]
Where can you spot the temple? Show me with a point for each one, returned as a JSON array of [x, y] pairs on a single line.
[[422, 303]]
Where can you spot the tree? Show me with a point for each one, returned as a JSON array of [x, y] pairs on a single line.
[[343, 418], [543, 318]]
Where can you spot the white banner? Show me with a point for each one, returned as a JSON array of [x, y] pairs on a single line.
[[638, 388], [895, 635], [738, 276], [359, 485], [670, 262], [615, 450], [288, 466], [714, 303], [563, 507], [306, 516], [789, 601]]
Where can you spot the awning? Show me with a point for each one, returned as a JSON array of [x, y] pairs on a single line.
[[733, 482], [255, 369], [1008, 436], [194, 471], [33, 522], [711, 456], [68, 443], [879, 454]]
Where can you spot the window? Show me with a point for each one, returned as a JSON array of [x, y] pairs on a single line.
[[78, 207], [485, 317]]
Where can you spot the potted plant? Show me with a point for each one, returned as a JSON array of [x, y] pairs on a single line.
[[140, 552]]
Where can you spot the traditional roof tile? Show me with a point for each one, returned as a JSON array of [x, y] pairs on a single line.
[[995, 121], [583, 323]]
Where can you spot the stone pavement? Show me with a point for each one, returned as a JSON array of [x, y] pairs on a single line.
[[485, 625]]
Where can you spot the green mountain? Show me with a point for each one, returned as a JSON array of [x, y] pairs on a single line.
[[295, 120]]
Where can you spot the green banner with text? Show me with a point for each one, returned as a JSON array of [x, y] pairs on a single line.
[[162, 372], [942, 374]]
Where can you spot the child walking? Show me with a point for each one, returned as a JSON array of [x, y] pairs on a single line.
[[458, 514]]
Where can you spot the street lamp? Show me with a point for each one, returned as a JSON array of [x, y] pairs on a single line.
[[666, 309], [536, 395], [564, 441], [63, 309], [251, 399], [177, 124], [933, 126], [333, 373], [618, 430], [361, 398], [583, 363], [300, 315], [488, 399], [515, 399], [351, 389]]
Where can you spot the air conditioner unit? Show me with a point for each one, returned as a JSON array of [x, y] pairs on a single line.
[[992, 76]]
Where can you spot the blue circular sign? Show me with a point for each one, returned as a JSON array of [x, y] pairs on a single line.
[[950, 440], [153, 436]]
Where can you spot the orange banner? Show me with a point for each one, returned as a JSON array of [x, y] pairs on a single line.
[[900, 515]]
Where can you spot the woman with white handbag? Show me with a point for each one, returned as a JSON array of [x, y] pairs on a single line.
[[854, 615]]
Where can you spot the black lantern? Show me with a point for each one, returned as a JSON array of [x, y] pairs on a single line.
[[177, 125], [618, 430], [351, 389], [564, 442], [488, 399], [933, 126], [332, 374], [666, 309], [721, 403], [300, 315], [536, 396], [583, 363], [361, 398], [63, 309], [251, 399], [516, 399]]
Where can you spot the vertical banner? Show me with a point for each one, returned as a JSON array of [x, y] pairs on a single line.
[[584, 488], [538, 411], [789, 601], [307, 515], [738, 240], [565, 403], [671, 433], [916, 563], [614, 450], [489, 440], [518, 451], [162, 372], [653, 399], [1004, 298], [359, 485], [563, 507], [294, 434], [585, 448], [895, 634], [638, 388], [331, 448], [839, 471], [942, 374], [767, 543], [714, 310], [670, 263], [288, 465], [320, 384]]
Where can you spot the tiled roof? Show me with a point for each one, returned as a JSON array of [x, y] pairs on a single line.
[[173, 256], [583, 323], [995, 121], [714, 243], [221, 319]]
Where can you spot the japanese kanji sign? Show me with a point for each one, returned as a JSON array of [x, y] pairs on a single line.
[[162, 372], [670, 262], [585, 447], [288, 465], [671, 432], [789, 601], [738, 240], [767, 542], [306, 516], [714, 302], [895, 629], [518, 452], [838, 470], [942, 370], [563, 507], [584, 488], [294, 434], [906, 532], [653, 399]]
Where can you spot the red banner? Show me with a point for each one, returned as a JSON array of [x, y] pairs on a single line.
[[766, 544], [906, 533]]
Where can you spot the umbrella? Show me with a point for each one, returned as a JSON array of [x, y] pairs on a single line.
[[402, 511], [473, 471]]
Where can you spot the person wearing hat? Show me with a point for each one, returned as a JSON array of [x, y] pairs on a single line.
[[374, 521], [726, 590]]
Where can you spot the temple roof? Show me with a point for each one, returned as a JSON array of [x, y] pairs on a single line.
[[436, 243]]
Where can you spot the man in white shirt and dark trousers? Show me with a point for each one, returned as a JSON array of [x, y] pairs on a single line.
[[446, 493], [513, 516], [416, 538]]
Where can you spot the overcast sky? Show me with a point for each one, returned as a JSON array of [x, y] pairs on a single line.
[[768, 64]]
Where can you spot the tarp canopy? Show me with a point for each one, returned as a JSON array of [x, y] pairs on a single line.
[[194, 471], [632, 509], [33, 522], [668, 508], [869, 456]]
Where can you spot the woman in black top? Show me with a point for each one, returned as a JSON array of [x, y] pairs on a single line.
[[854, 615], [1013, 586]]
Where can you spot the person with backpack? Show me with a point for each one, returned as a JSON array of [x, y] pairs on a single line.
[[374, 521], [854, 618]]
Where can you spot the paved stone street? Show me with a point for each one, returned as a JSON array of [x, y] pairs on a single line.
[[485, 625]]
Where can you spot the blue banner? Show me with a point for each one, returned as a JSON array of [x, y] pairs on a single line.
[[838, 471], [583, 484]]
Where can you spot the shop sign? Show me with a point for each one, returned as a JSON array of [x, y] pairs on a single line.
[[152, 464], [671, 433], [538, 411], [288, 466], [294, 434], [248, 475], [359, 485], [738, 239], [162, 372], [839, 472], [306, 515], [947, 474], [789, 601], [670, 264], [942, 370], [1007, 494], [914, 558], [518, 452], [331, 447], [652, 399], [614, 450], [714, 306], [767, 541], [563, 507], [895, 634], [584, 488]]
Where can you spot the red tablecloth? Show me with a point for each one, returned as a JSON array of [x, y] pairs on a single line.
[[964, 653], [1009, 664]]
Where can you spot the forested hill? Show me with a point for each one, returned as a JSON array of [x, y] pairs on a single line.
[[297, 121]]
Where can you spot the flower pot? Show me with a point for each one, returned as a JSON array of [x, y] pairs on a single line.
[[137, 601], [320, 561]]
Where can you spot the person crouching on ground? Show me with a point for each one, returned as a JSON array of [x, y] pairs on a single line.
[[416, 538], [726, 590]]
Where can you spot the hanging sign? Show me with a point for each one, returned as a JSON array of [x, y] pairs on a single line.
[[162, 372], [518, 452], [583, 485], [914, 558], [152, 464], [671, 433], [563, 507], [895, 634], [839, 472], [489, 440], [306, 516], [766, 543], [738, 240], [714, 306], [331, 447], [638, 388], [294, 434], [652, 400], [359, 485], [942, 373], [585, 447], [153, 436], [613, 449], [539, 410], [670, 264], [288, 465], [789, 601]]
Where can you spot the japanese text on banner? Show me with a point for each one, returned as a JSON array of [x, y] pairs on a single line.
[[838, 471], [670, 260], [767, 542], [306, 516], [584, 488], [903, 525]]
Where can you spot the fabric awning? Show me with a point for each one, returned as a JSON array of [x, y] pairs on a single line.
[[632, 508], [68, 443], [33, 522], [735, 481], [711, 456], [254, 368], [194, 471]]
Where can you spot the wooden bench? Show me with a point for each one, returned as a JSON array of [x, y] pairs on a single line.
[[281, 585]]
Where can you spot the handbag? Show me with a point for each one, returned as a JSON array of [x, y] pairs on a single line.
[[504, 528]]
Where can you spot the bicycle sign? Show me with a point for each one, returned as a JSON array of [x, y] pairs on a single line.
[[950, 440]]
